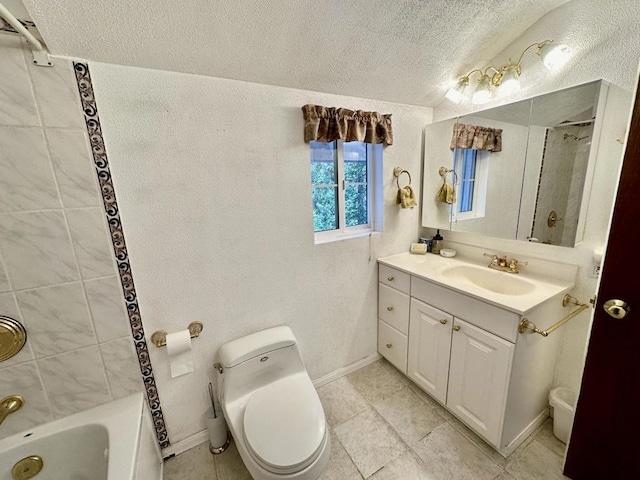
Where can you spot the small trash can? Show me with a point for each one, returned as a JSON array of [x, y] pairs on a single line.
[[563, 401]]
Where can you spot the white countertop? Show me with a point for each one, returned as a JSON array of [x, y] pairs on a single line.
[[430, 267]]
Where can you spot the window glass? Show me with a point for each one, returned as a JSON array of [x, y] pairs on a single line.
[[324, 166], [324, 178], [467, 179], [356, 184], [355, 162], [325, 209]]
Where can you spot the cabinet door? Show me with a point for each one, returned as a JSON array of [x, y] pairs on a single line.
[[479, 379], [429, 346]]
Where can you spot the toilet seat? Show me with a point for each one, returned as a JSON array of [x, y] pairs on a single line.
[[284, 425]]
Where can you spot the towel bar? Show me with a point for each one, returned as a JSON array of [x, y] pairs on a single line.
[[528, 326]]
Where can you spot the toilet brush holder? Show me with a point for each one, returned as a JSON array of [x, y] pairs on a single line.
[[218, 436]]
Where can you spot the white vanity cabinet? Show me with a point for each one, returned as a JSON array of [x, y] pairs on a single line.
[[468, 355]]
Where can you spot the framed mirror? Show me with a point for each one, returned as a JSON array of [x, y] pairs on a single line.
[[518, 171]]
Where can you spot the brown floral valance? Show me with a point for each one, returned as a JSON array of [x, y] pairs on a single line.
[[477, 138], [326, 124]]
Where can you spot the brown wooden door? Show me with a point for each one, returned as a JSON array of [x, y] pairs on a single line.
[[605, 441]]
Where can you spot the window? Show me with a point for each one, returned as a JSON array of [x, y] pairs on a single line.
[[471, 167], [345, 189]]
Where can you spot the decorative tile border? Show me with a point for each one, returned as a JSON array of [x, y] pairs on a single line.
[[96, 139], [5, 27]]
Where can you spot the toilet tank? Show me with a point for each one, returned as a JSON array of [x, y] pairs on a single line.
[[251, 362]]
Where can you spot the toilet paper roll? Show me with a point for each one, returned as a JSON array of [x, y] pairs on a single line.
[[179, 351]]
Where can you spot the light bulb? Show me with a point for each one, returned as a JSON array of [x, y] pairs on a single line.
[[483, 93], [554, 55], [456, 93], [510, 81]]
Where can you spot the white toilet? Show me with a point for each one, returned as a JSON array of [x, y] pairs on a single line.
[[272, 408]]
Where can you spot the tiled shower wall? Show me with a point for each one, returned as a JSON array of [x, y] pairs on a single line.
[[562, 183], [57, 269]]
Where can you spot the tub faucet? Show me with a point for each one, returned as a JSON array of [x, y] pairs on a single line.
[[9, 405]]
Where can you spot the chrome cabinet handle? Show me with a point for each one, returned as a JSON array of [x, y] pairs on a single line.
[[389, 345], [443, 321], [390, 308], [390, 279], [456, 327]]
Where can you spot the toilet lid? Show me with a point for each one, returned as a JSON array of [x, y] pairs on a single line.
[[284, 424]]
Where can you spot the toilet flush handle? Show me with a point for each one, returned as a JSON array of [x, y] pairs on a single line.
[[218, 367]]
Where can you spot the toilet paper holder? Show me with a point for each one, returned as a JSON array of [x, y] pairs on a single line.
[[159, 337]]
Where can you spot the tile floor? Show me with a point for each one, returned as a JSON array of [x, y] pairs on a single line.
[[384, 427]]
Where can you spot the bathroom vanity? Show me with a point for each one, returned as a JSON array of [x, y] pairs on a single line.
[[452, 326]]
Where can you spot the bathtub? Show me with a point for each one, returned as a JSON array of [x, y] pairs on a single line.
[[114, 441]]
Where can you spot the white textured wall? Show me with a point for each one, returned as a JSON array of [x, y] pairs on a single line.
[[213, 182], [607, 44]]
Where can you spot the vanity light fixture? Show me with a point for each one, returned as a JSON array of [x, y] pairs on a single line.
[[506, 79]]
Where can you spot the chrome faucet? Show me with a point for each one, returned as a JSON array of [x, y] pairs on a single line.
[[500, 262], [9, 405]]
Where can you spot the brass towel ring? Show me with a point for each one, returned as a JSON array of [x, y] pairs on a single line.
[[399, 171], [443, 171]]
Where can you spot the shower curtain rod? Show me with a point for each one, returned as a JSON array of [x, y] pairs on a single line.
[[15, 23], [577, 122]]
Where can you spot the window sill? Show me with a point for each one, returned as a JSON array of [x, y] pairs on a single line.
[[320, 239]]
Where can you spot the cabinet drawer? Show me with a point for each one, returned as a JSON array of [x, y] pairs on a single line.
[[393, 307], [392, 345], [394, 278], [488, 317]]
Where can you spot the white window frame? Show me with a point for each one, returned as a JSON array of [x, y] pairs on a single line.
[[374, 198], [480, 189]]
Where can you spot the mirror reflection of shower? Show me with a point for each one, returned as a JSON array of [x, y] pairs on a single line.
[[566, 135], [561, 183]]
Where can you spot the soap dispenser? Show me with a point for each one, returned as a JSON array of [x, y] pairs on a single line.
[[436, 243]]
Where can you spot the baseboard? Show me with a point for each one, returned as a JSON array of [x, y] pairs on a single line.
[[539, 420], [203, 436], [341, 372], [186, 444]]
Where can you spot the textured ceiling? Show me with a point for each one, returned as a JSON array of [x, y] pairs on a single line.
[[400, 51]]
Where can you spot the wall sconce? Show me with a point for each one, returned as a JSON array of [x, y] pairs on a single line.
[[507, 78]]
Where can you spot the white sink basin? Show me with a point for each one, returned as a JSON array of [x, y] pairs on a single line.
[[497, 282]]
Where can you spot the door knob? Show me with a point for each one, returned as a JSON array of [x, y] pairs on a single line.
[[456, 327], [616, 308], [390, 308], [443, 321]]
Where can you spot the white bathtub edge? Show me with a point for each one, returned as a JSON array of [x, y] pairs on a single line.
[[122, 418]]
